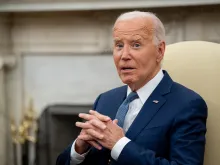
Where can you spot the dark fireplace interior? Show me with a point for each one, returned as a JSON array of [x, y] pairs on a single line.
[[56, 131]]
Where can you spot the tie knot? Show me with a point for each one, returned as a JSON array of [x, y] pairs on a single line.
[[132, 96]]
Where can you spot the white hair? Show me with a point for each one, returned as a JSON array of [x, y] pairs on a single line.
[[159, 30]]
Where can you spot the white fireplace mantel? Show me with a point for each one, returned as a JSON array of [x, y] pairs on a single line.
[[2, 112], [5, 62]]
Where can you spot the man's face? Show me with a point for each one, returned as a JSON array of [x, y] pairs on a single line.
[[136, 56]]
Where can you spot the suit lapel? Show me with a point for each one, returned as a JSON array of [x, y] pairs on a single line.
[[150, 107], [147, 112]]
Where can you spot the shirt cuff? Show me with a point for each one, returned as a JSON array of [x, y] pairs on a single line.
[[118, 147], [75, 157]]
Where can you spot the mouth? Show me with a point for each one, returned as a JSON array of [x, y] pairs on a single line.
[[127, 69]]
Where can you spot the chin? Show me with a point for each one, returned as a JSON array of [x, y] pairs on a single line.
[[127, 81]]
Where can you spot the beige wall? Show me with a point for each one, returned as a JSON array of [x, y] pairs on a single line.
[[59, 32]]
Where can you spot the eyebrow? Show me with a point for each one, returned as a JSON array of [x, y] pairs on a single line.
[[117, 39], [136, 39]]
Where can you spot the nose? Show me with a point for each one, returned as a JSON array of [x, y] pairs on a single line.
[[125, 53]]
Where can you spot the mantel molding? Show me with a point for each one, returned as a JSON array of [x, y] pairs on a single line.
[[8, 62], [99, 5]]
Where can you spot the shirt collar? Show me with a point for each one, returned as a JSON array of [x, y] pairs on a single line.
[[145, 91]]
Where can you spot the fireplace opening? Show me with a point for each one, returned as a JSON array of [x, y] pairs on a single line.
[[57, 130]]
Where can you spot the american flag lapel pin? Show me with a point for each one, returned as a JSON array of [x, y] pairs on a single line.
[[155, 101]]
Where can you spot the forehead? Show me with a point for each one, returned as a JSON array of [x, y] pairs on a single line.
[[134, 28]]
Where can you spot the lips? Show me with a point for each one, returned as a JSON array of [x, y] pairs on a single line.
[[126, 69]]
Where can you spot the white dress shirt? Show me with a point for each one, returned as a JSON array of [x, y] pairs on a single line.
[[134, 108]]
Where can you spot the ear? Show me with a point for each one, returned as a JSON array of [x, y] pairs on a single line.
[[161, 49]]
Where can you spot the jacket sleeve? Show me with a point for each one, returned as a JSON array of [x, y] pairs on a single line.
[[64, 158], [187, 140]]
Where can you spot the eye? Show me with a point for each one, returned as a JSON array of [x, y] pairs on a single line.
[[136, 45], [119, 45]]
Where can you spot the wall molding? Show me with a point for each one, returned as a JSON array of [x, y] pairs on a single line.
[[99, 5]]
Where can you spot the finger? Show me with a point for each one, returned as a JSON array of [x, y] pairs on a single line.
[[99, 116], [94, 133], [94, 144], [115, 121], [84, 125], [86, 116], [98, 124], [85, 137]]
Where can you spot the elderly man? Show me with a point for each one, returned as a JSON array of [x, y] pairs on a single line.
[[150, 121]]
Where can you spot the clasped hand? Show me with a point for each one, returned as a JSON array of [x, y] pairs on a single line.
[[99, 130]]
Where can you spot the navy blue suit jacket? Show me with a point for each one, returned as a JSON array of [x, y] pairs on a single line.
[[170, 132]]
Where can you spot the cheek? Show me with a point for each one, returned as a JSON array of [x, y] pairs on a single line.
[[116, 56], [145, 65], [148, 59], [116, 60]]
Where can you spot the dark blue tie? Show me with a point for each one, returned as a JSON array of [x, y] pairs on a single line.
[[123, 109]]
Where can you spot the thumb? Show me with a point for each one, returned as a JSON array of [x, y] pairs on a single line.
[[115, 121]]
